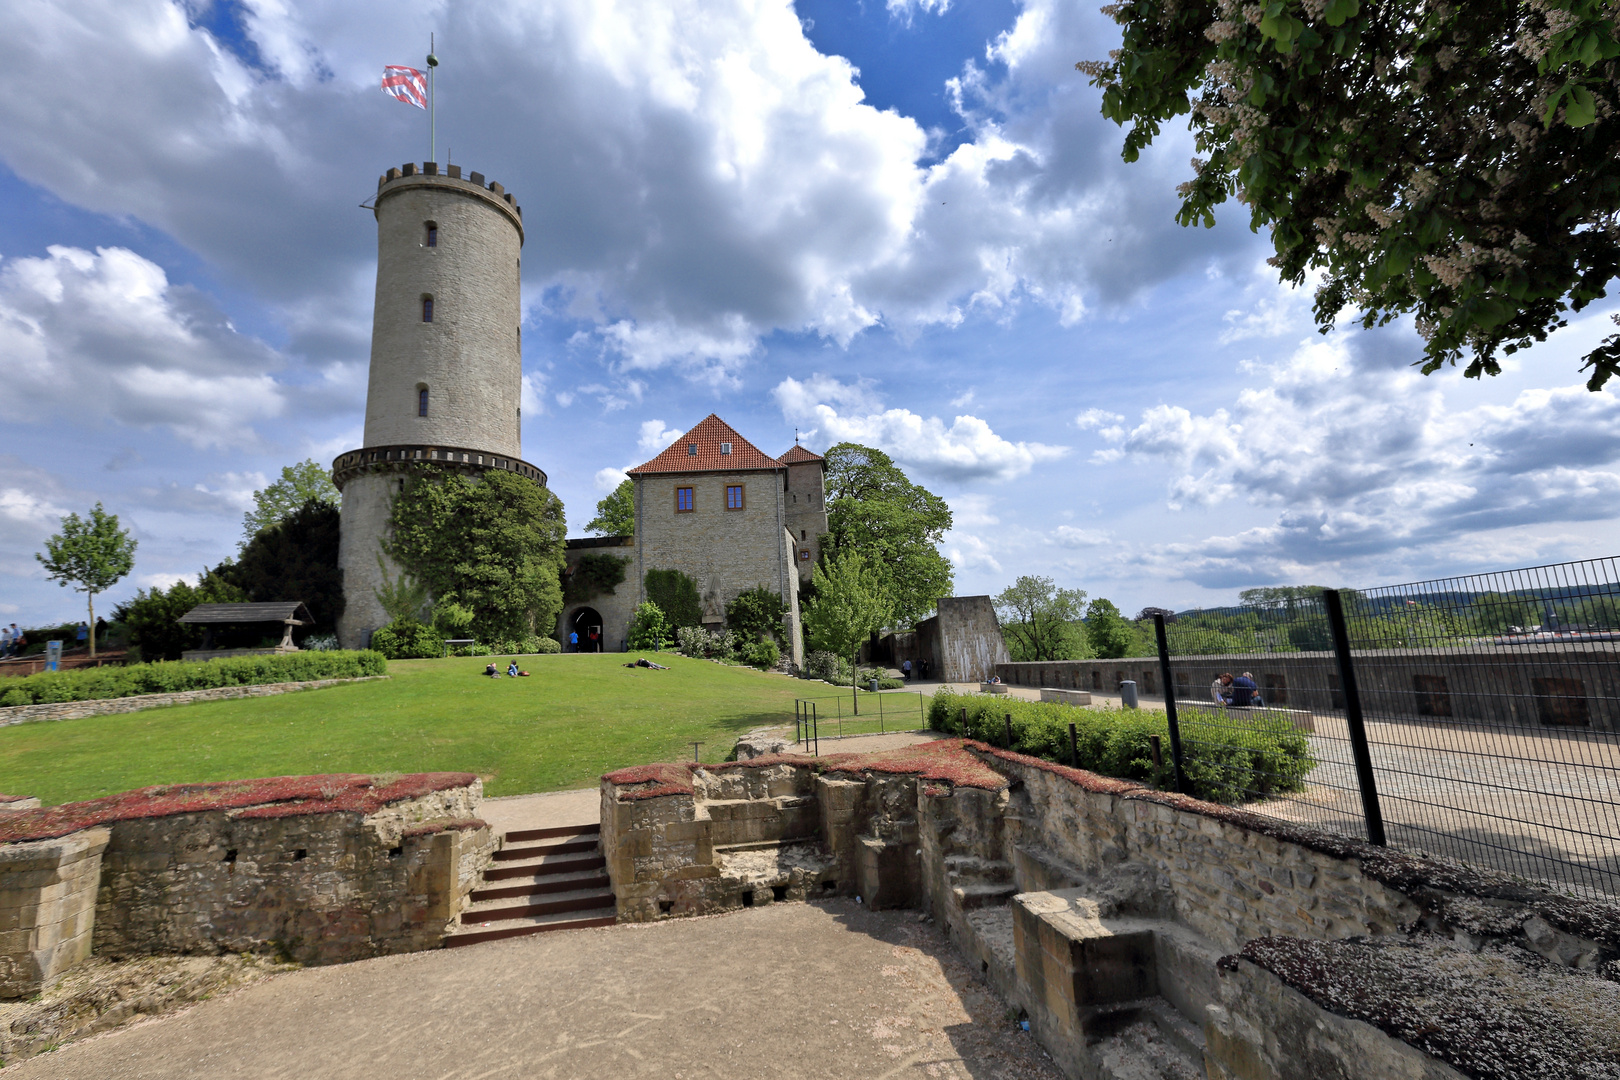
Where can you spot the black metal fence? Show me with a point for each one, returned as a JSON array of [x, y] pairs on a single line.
[[1473, 717], [834, 715]]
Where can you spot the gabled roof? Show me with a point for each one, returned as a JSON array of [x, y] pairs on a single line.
[[707, 437], [799, 454], [275, 611]]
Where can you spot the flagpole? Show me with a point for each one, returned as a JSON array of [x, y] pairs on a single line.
[[433, 130]]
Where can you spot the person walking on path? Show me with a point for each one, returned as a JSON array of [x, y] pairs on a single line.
[[905, 670], [573, 641], [82, 635]]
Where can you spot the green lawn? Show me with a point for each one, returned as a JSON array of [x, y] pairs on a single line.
[[575, 718]]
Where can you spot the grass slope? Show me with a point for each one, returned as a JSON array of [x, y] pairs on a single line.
[[575, 718]]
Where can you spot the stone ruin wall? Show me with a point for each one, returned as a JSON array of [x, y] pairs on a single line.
[[316, 885], [1080, 896]]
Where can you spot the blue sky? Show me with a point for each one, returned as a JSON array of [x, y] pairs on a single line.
[[901, 224]]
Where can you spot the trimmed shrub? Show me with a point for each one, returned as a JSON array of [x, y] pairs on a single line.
[[521, 646], [96, 684], [1231, 758], [407, 639]]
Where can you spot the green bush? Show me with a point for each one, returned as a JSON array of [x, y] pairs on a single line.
[[648, 630], [523, 646], [676, 596], [762, 654], [95, 684], [407, 639], [1229, 758]]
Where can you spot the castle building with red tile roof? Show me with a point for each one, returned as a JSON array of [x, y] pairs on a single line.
[[725, 513]]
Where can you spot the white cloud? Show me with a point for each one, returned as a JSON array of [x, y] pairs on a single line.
[[965, 449], [164, 580], [655, 438], [1343, 459], [969, 552], [1070, 537], [1097, 418], [533, 394], [101, 336], [972, 511], [697, 174], [608, 479], [963, 400]]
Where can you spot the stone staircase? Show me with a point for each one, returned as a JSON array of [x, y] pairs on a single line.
[[540, 880]]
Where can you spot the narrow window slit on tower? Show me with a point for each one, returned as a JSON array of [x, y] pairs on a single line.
[[427, 309], [432, 234], [421, 400]]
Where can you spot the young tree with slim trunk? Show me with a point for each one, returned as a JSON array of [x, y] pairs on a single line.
[[91, 555], [1041, 619], [849, 604]]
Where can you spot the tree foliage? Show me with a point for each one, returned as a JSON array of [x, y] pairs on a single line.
[[296, 558], [849, 604], [1460, 162], [91, 554], [300, 484], [1108, 632], [649, 629], [873, 510], [1042, 621], [616, 514], [152, 617], [594, 575], [677, 597], [756, 614], [493, 545]]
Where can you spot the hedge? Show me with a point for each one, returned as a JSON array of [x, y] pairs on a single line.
[[92, 684], [1232, 758]]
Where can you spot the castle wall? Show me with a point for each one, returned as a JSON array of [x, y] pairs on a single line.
[[469, 356], [367, 502], [806, 504], [615, 608], [726, 552], [963, 642]]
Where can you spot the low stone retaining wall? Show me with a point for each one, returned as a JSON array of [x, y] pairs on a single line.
[[74, 710], [1110, 912], [321, 869]]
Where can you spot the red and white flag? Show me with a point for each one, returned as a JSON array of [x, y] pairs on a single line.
[[407, 84]]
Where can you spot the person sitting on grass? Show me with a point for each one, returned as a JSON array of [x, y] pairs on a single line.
[[492, 671], [512, 671]]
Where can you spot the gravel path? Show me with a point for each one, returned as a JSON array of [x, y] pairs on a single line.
[[825, 990]]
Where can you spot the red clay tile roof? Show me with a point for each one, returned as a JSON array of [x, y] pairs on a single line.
[[798, 454], [708, 436]]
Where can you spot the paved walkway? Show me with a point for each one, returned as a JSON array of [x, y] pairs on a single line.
[[826, 990]]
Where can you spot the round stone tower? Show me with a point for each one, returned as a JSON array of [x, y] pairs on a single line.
[[446, 361]]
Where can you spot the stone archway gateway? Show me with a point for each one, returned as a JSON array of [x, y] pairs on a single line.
[[587, 623]]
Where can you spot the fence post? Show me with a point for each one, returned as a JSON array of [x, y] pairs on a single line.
[[1074, 748], [1352, 716], [1170, 703], [1009, 731], [815, 727], [962, 726], [880, 714]]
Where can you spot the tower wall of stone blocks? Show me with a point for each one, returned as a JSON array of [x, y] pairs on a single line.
[[446, 373], [806, 505]]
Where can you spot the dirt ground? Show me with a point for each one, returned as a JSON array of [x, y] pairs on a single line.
[[788, 990]]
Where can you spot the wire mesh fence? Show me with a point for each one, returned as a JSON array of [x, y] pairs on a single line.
[[1473, 717], [834, 715]]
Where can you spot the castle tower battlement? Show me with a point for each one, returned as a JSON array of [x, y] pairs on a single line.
[[446, 372]]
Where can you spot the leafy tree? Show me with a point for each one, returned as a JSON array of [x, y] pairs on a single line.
[[296, 558], [1040, 619], [1457, 161], [756, 614], [648, 627], [894, 525], [594, 575], [616, 514], [91, 554], [677, 597], [850, 603], [1282, 597], [404, 598], [1496, 613], [152, 617], [276, 502], [493, 544], [1109, 634]]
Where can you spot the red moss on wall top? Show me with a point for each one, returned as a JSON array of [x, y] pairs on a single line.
[[943, 761], [277, 796]]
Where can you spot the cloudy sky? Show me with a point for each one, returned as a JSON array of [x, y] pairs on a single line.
[[903, 225]]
